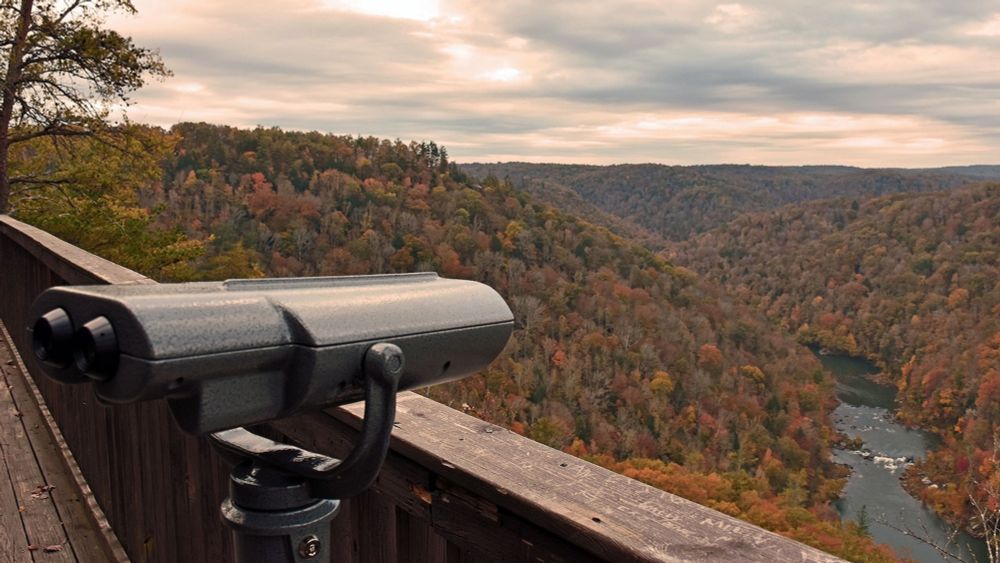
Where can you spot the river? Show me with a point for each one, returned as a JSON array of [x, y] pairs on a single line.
[[866, 411]]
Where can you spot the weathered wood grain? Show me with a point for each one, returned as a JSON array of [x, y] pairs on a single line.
[[85, 525], [39, 515], [416, 538], [13, 539], [377, 523], [600, 512], [344, 535]]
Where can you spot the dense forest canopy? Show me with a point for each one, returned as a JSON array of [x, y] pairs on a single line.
[[677, 202], [909, 281], [620, 356]]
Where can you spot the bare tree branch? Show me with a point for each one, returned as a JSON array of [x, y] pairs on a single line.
[[924, 538], [63, 70]]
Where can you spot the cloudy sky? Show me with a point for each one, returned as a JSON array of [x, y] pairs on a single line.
[[879, 83]]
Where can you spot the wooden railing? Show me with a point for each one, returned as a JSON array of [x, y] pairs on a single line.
[[454, 488]]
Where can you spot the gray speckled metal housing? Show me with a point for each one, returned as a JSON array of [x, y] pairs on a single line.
[[237, 352]]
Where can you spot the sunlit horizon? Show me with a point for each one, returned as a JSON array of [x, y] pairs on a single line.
[[620, 82]]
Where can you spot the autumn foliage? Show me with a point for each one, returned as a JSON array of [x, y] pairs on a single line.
[[910, 281], [749, 497], [619, 355], [655, 202]]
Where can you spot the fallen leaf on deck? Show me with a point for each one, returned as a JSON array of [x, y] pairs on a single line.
[[53, 548], [41, 491]]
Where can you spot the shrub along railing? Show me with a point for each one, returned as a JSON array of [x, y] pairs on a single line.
[[454, 488]]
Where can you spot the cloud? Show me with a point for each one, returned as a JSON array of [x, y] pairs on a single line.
[[887, 83], [730, 18], [421, 10], [988, 28]]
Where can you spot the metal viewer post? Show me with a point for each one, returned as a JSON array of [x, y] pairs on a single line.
[[282, 498]]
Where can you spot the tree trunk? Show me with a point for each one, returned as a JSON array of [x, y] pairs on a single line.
[[10, 88]]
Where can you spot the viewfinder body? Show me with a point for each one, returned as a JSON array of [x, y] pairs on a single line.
[[239, 352]]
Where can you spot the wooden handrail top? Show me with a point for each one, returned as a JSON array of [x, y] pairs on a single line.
[[73, 264], [608, 514]]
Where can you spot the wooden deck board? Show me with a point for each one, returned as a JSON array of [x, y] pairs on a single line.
[[13, 546], [86, 541], [39, 515], [44, 515]]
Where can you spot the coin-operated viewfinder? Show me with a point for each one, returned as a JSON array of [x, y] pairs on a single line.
[[234, 353]]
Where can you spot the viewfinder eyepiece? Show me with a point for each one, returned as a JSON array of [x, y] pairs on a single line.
[[95, 349], [52, 338]]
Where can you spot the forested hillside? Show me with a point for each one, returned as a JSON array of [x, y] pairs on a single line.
[[619, 356], [981, 171], [570, 201], [910, 281], [677, 202]]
